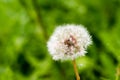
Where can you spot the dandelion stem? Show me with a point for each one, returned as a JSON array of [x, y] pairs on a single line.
[[76, 70], [118, 73]]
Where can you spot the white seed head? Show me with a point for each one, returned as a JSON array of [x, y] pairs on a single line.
[[69, 42]]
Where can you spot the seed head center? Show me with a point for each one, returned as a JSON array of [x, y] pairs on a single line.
[[71, 42]]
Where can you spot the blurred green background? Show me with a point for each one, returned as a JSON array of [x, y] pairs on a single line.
[[26, 25]]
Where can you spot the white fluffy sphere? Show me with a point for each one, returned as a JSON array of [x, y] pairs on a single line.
[[69, 42]]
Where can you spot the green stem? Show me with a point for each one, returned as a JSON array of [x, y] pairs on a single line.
[[117, 73], [34, 13]]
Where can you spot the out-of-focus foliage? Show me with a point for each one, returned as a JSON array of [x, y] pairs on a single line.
[[25, 27]]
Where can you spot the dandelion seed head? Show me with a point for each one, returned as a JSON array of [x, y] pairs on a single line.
[[69, 42]]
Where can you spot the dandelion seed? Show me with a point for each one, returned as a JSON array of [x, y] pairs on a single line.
[[80, 65]]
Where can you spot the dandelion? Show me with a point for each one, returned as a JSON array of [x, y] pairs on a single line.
[[69, 42]]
